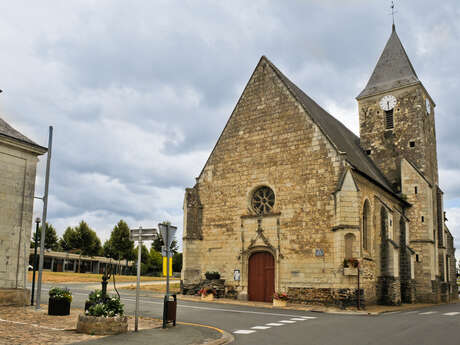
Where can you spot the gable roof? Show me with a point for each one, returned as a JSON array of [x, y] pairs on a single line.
[[393, 70], [340, 136], [7, 131]]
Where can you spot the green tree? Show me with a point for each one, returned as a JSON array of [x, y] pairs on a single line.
[[107, 249], [69, 239], [177, 262], [156, 261], [145, 259], [121, 245], [83, 239], [51, 239]]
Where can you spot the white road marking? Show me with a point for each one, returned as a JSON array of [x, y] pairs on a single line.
[[298, 319], [274, 324], [260, 327], [244, 331], [411, 312], [428, 313], [287, 321], [452, 313]]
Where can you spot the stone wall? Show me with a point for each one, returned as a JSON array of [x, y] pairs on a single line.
[[326, 296], [389, 291], [17, 187]]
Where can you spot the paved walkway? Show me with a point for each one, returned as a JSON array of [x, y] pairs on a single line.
[[186, 334]]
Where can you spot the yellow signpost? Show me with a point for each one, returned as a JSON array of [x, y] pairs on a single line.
[[164, 266]]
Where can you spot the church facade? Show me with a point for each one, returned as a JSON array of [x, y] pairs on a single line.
[[292, 201]]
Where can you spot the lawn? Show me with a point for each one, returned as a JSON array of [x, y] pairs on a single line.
[[71, 277], [173, 287]]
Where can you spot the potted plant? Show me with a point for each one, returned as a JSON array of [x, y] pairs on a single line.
[[103, 315], [280, 299], [350, 267], [207, 293], [212, 275], [59, 301]]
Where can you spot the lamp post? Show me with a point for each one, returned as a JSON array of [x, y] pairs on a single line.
[[37, 221]]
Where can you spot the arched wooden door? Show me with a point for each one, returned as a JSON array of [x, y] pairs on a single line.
[[261, 282]]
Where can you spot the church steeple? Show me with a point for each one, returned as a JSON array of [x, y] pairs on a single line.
[[393, 70]]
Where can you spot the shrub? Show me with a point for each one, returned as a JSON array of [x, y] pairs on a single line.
[[109, 308], [61, 294], [212, 275]]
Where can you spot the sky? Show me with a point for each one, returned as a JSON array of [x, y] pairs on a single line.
[[139, 91]]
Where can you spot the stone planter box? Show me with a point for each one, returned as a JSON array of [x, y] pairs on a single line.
[[279, 303], [350, 271], [100, 325], [208, 297]]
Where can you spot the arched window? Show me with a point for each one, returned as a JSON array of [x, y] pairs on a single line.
[[349, 239], [366, 225]]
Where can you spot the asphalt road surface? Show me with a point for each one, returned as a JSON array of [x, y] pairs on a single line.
[[250, 325]]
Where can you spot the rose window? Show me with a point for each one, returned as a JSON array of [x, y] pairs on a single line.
[[263, 200]]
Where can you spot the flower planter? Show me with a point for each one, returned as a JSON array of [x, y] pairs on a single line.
[[279, 303], [58, 306], [208, 297], [101, 325], [350, 271]]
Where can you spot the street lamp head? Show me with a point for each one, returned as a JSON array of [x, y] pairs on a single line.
[[37, 220]]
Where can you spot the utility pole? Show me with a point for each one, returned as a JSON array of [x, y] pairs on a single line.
[[45, 207]]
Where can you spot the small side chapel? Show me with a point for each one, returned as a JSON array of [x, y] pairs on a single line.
[[290, 200]]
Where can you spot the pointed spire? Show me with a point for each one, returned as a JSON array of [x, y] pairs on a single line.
[[393, 70]]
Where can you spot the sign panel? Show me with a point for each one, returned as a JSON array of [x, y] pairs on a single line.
[[167, 233], [146, 231], [319, 252], [236, 275]]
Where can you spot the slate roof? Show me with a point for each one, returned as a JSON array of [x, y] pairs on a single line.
[[7, 131], [339, 135], [393, 70]]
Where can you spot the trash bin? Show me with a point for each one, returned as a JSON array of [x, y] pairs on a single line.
[[169, 310]]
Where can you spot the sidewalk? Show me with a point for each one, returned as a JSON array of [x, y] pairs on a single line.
[[182, 333], [28, 326]]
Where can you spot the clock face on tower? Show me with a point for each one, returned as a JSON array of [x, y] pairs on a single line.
[[387, 102]]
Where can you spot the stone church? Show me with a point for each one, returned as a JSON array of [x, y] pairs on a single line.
[[290, 200]]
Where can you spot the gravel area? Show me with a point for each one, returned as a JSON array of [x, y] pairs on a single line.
[[27, 326]]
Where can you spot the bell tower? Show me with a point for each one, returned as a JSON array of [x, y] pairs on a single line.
[[396, 116]]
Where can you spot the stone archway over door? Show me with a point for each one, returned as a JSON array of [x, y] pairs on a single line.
[[261, 282]]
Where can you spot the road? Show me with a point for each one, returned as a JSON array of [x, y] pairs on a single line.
[[250, 325]]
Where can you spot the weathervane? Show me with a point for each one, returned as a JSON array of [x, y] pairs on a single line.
[[393, 12]]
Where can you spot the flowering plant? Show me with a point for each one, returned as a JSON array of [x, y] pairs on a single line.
[[280, 296], [60, 294], [206, 291], [352, 262]]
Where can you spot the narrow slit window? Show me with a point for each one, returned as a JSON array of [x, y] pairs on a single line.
[[423, 219], [368, 152], [389, 123], [412, 143], [417, 258], [415, 190]]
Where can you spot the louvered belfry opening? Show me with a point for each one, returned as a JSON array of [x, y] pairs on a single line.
[[389, 124]]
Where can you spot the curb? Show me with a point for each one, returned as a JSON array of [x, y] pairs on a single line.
[[226, 337]]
